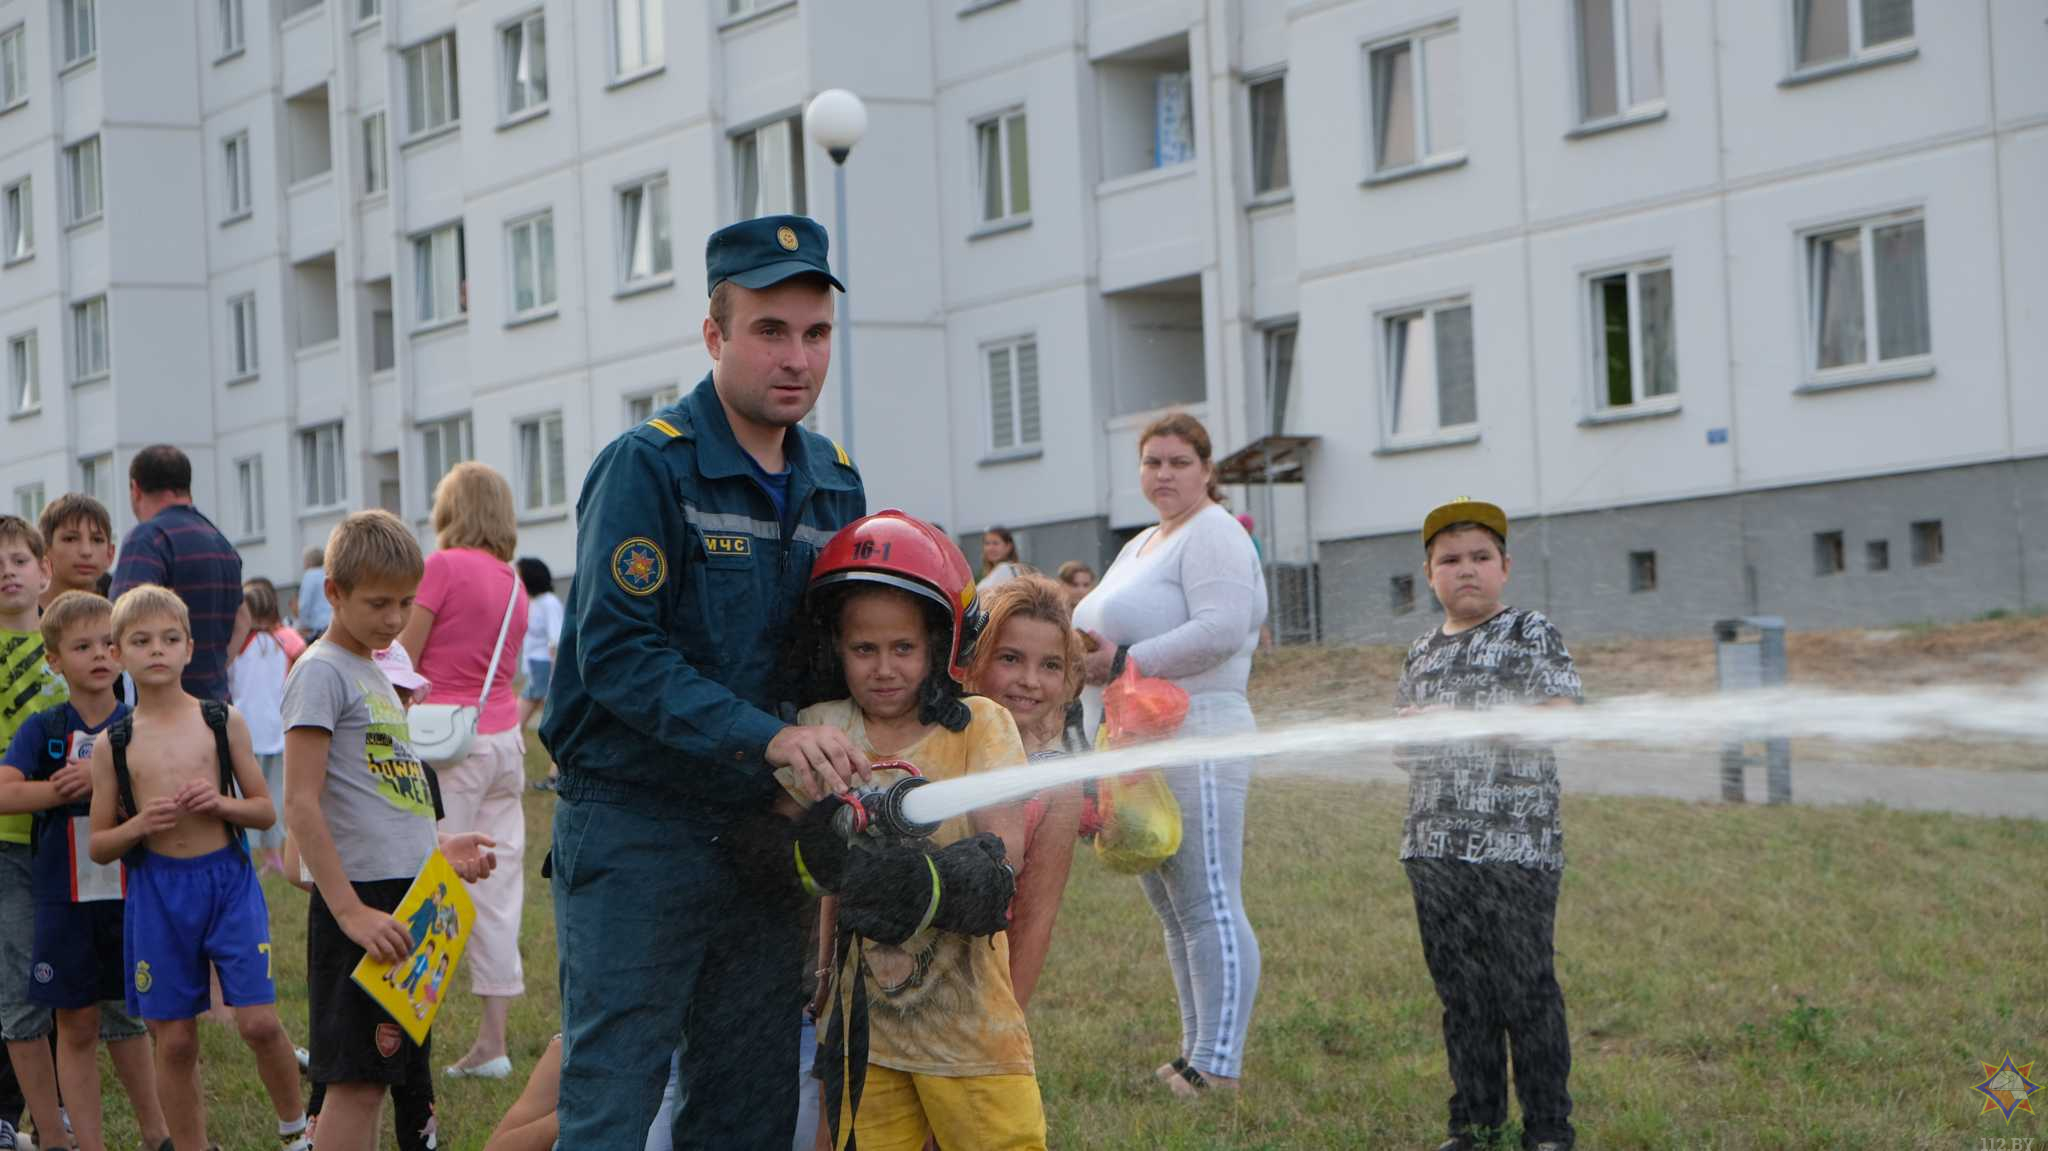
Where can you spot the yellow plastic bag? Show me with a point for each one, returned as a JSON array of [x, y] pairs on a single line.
[[1140, 819]]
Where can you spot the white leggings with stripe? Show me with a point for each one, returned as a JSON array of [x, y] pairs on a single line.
[[1198, 896]]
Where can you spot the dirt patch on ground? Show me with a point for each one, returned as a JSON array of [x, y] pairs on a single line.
[[1298, 682]]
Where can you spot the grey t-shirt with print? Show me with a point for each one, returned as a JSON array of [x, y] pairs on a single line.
[[1487, 801], [377, 801]]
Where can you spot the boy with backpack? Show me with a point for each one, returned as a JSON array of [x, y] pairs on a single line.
[[77, 960], [164, 800]]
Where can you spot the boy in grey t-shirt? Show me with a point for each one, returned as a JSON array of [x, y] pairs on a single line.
[[361, 812]]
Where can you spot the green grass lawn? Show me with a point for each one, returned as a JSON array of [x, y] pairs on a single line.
[[1735, 978]]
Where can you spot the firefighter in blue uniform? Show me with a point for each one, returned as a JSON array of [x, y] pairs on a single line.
[[695, 536]]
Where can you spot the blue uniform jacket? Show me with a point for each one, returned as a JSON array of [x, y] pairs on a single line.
[[670, 670]]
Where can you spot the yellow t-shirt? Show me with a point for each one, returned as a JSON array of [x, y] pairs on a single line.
[[941, 1004], [27, 685]]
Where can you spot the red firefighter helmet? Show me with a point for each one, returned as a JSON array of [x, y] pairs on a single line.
[[906, 553]]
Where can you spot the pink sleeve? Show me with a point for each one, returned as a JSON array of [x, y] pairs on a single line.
[[434, 584]]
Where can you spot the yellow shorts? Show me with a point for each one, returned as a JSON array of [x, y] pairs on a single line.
[[899, 1111]]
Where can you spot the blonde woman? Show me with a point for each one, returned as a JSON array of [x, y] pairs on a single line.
[[459, 612]]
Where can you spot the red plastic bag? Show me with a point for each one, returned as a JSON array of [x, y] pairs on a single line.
[[1137, 709]]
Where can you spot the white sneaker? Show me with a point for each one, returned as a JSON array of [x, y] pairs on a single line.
[[498, 1068]]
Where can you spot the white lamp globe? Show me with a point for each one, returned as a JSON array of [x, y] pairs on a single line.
[[835, 120]]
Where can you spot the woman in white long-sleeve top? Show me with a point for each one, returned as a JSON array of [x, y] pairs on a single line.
[[1184, 601]]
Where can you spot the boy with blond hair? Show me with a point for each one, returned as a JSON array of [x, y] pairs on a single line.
[[360, 806], [164, 785], [78, 535], [78, 968], [27, 685]]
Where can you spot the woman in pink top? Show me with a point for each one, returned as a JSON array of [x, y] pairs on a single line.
[[459, 611]]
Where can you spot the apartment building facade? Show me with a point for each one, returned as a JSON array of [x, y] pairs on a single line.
[[1729, 303]]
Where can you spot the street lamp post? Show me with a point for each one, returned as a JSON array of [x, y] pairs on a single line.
[[835, 120]]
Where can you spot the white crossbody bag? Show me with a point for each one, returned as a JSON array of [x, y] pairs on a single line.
[[442, 733]]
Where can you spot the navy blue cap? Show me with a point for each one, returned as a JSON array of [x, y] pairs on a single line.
[[762, 252]]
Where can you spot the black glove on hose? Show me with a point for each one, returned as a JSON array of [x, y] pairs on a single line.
[[890, 888], [820, 850]]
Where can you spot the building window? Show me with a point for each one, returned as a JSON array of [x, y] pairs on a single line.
[[643, 231], [235, 151], [14, 66], [768, 170], [89, 339], [82, 181], [96, 476], [1013, 420], [1636, 351], [20, 220], [1279, 376], [376, 171], [1003, 153], [1269, 136], [440, 276], [368, 10], [383, 343], [242, 336], [1927, 547], [24, 373], [1877, 555], [321, 466], [636, 37], [1429, 370], [1417, 116], [1621, 57], [443, 444], [300, 7], [640, 409], [1401, 594], [249, 496], [1868, 293], [533, 264], [78, 29], [523, 47], [231, 35], [1833, 31], [1642, 571], [543, 485], [29, 501], [1828, 556], [431, 99]]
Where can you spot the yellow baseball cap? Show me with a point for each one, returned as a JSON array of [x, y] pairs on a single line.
[[1465, 510]]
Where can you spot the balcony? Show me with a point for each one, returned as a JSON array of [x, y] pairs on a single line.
[[313, 218], [322, 393], [1149, 227], [1149, 204], [307, 43]]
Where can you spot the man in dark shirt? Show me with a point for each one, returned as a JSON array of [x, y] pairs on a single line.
[[174, 546]]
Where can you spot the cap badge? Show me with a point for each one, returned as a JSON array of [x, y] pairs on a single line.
[[786, 236]]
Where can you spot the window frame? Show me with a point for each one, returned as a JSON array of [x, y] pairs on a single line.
[[1284, 190], [1830, 554], [653, 63], [1004, 120], [70, 31], [376, 152], [31, 509], [244, 362], [1019, 447], [14, 65], [798, 170], [19, 220], [1628, 107], [1859, 56], [241, 189], [462, 427], [1926, 543], [74, 162], [542, 308], [103, 366], [508, 82], [232, 25], [452, 77], [95, 475], [1871, 369], [1642, 571], [1270, 331], [309, 478], [551, 504], [1443, 435], [368, 12], [626, 233], [1601, 407], [422, 245], [249, 491], [655, 399], [24, 392], [1426, 158]]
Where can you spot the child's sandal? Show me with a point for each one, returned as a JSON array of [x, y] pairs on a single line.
[[1168, 1072], [1196, 1082]]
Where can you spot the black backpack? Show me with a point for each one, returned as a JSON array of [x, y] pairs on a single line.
[[216, 714]]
